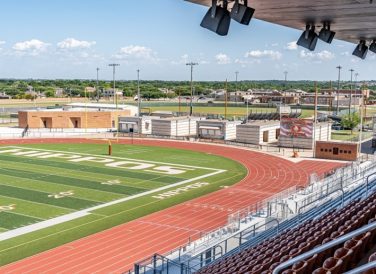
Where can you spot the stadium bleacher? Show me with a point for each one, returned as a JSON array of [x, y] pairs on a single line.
[[267, 255]]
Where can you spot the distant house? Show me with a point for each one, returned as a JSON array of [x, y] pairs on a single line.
[[3, 95], [59, 92], [166, 91], [90, 90], [112, 93]]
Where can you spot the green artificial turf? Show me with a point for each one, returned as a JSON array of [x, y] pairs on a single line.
[[29, 184]]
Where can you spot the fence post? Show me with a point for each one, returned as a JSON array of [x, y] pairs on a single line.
[[136, 269], [154, 263]]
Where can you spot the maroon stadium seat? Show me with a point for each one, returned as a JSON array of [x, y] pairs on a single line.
[[345, 255], [311, 262], [355, 246], [320, 270], [335, 266], [304, 247], [300, 267]]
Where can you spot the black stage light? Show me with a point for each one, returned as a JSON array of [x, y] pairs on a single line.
[[372, 47], [242, 13], [326, 34], [308, 39], [361, 50], [217, 19]]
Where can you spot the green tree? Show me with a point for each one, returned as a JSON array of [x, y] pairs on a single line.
[[350, 121], [49, 93]]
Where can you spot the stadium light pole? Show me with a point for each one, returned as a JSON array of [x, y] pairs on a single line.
[[286, 72], [351, 87], [191, 64], [113, 74], [97, 83], [138, 93], [236, 86], [338, 87], [361, 120], [247, 109]]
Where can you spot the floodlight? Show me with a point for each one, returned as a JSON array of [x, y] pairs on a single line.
[[372, 47], [308, 39], [217, 19], [361, 50], [242, 13], [326, 34]]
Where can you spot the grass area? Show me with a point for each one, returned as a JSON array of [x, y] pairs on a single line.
[[231, 111], [8, 124], [346, 135], [29, 184]]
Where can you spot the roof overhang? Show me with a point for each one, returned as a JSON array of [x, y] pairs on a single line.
[[352, 20]]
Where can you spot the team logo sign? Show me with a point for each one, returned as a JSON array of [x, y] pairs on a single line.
[[300, 128]]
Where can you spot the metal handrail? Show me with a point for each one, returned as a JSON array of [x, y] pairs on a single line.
[[324, 247], [367, 182], [325, 196]]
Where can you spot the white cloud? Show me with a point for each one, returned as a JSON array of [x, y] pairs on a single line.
[[345, 53], [245, 62], [291, 46], [185, 58], [222, 59], [132, 52], [32, 47], [319, 56], [272, 54], [71, 43]]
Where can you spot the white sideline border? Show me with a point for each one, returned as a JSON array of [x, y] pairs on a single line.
[[81, 213]]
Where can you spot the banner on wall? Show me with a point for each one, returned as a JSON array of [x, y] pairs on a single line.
[[294, 127]]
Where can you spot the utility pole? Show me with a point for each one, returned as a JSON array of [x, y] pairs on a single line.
[[138, 93], [97, 89], [113, 73], [315, 122], [361, 120], [351, 87], [286, 72], [191, 64], [226, 100], [338, 87], [356, 80], [236, 86]]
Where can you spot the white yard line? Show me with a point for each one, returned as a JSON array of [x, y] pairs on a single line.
[[78, 214]]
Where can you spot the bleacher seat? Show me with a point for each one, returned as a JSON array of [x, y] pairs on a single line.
[[264, 257]]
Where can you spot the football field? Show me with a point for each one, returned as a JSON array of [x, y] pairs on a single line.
[[54, 193]]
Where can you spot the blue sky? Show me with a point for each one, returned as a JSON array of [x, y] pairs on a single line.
[[70, 38]]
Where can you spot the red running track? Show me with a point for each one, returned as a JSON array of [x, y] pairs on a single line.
[[116, 250]]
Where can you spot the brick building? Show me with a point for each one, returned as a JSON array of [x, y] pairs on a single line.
[[337, 150], [70, 118]]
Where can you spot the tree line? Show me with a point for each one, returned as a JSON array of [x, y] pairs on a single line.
[[154, 89]]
